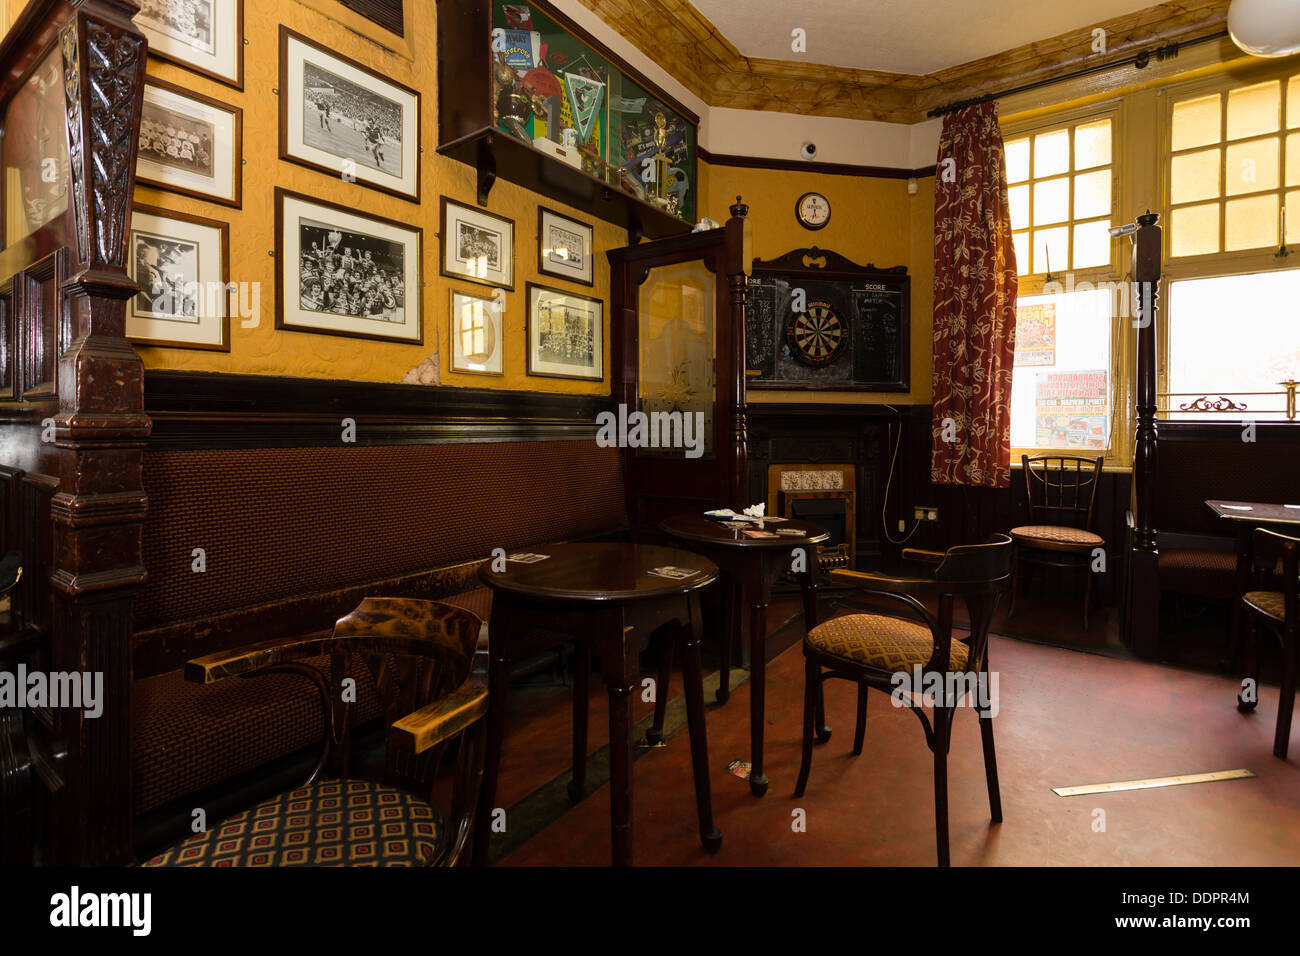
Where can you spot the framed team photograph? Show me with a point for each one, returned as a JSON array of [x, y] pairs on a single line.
[[206, 36], [564, 247], [182, 266], [190, 144], [477, 245], [341, 272], [566, 334], [346, 120], [475, 333]]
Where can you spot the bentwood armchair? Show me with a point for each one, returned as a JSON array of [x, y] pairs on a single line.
[[420, 654], [1278, 612], [870, 649]]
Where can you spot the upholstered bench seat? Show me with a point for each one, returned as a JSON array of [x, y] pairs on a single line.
[[190, 736], [1205, 572], [328, 823], [887, 644]]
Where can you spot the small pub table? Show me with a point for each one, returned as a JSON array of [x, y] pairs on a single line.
[[1245, 517], [608, 598], [752, 564]]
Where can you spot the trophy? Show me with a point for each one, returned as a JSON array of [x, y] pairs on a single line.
[[657, 181]]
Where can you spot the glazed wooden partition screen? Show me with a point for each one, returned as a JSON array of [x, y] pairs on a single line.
[[677, 344], [72, 422]]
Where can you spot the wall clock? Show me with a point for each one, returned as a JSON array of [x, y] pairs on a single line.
[[812, 210]]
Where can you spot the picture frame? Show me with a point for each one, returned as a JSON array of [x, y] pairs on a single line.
[[477, 246], [343, 119], [343, 272], [475, 333], [190, 144], [204, 36], [566, 334], [565, 248], [182, 264]]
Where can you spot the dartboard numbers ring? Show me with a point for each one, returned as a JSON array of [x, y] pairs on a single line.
[[817, 336]]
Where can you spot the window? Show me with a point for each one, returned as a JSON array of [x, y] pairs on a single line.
[[1223, 355], [1234, 160], [1062, 384], [1229, 321], [1060, 187]]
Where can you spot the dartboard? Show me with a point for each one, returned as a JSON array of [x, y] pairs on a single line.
[[817, 335]]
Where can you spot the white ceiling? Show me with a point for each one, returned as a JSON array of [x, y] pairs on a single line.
[[900, 36]]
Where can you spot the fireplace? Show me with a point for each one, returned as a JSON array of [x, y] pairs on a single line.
[[825, 495]]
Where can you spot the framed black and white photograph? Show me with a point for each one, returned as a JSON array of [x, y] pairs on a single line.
[[564, 247], [190, 144], [475, 333], [477, 245], [341, 272], [346, 120], [206, 36], [182, 265], [565, 334]]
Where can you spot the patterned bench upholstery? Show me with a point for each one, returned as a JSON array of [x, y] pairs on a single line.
[[293, 539]]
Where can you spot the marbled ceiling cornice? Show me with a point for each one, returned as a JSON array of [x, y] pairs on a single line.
[[678, 38]]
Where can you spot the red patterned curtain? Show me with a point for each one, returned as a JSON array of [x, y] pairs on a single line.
[[974, 304]]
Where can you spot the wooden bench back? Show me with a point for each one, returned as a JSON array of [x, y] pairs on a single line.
[[290, 539]]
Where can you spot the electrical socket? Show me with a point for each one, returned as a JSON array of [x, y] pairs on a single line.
[[925, 513]]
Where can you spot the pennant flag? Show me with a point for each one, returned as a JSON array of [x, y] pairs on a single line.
[[585, 94]]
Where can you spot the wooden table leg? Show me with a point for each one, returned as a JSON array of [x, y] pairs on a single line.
[[730, 627], [498, 687], [693, 681], [655, 734], [757, 693], [620, 775], [581, 704], [1241, 584]]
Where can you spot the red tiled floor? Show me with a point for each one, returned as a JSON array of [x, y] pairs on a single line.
[[1066, 718]]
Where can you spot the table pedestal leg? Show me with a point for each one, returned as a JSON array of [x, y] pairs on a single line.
[[620, 766], [757, 692], [498, 687], [693, 681]]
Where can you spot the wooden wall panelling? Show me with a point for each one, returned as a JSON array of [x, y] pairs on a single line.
[[43, 322]]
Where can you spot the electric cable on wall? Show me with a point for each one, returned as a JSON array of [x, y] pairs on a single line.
[[884, 508]]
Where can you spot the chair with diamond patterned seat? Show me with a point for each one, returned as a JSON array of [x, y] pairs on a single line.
[[1059, 533], [872, 650], [1276, 557], [420, 653]]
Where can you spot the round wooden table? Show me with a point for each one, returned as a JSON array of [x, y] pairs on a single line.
[[752, 565], [606, 596]]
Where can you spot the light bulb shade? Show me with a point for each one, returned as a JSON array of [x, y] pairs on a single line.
[[1265, 27]]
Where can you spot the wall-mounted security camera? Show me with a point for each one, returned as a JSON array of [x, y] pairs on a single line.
[[808, 150]]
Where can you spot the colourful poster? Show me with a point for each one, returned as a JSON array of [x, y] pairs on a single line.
[[1036, 334], [1071, 409]]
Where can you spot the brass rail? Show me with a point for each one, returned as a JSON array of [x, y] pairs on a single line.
[[1202, 402]]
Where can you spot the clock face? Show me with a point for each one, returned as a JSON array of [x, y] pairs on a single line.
[[817, 335], [813, 210]]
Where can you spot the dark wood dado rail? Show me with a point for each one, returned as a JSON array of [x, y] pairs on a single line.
[[206, 410], [72, 422]]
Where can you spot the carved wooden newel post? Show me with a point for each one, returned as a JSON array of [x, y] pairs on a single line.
[[99, 433], [1144, 622], [738, 283]]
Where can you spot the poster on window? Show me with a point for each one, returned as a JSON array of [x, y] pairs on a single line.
[[1036, 334], [1070, 409]]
